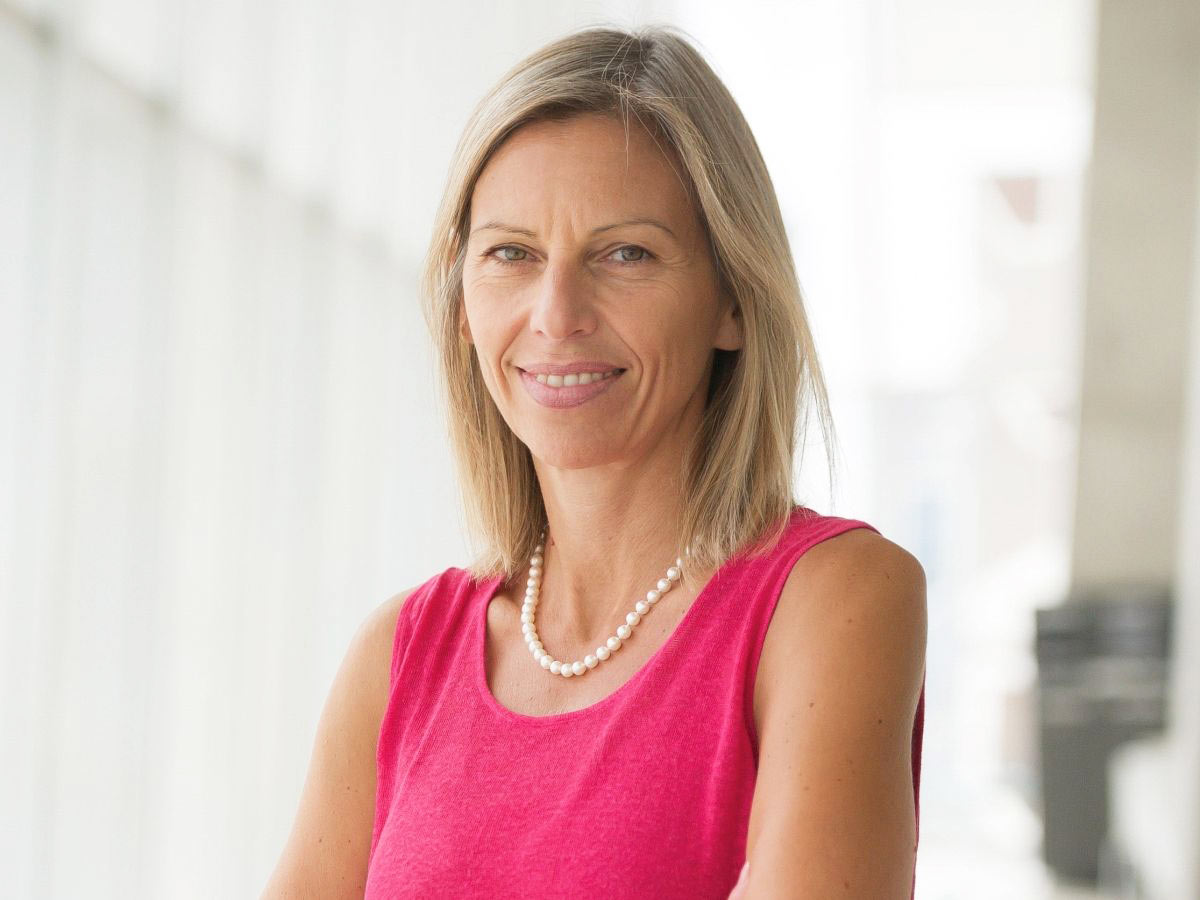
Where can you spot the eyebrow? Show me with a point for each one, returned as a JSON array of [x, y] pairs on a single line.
[[516, 229]]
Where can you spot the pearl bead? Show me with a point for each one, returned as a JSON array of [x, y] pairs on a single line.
[[533, 586]]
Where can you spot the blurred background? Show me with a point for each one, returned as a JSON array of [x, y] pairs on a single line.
[[221, 443]]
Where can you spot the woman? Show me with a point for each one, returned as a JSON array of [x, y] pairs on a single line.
[[624, 350]]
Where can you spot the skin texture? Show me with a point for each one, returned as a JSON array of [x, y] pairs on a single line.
[[841, 668]]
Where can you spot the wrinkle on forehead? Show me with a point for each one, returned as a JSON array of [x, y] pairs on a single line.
[[573, 185]]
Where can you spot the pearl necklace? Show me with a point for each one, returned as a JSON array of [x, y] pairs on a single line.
[[533, 587]]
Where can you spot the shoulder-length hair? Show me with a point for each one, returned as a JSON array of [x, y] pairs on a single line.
[[738, 472]]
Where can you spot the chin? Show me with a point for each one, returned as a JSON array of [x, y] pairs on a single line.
[[580, 453]]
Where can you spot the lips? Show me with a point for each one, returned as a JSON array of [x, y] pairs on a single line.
[[574, 387]]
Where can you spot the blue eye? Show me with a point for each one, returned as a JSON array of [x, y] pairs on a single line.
[[508, 261], [645, 254]]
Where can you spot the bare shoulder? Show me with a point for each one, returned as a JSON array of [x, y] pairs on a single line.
[[850, 587], [838, 683], [859, 554], [378, 630], [856, 597], [326, 851]]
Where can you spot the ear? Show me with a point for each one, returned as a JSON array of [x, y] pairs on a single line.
[[464, 328], [729, 330]]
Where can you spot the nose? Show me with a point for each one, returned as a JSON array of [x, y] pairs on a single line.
[[562, 307]]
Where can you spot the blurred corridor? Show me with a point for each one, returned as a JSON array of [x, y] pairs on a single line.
[[221, 440]]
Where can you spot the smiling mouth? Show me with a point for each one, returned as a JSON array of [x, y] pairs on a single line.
[[575, 378]]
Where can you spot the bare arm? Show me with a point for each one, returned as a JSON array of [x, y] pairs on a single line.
[[326, 853], [833, 812]]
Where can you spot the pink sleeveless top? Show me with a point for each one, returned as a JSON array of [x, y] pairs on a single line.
[[645, 793]]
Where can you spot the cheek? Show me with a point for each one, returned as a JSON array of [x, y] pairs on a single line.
[[493, 332], [484, 316], [687, 334], [687, 351]]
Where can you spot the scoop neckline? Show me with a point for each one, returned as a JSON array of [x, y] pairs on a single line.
[[492, 587]]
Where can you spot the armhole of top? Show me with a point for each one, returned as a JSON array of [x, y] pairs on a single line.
[[918, 735], [407, 620], [410, 609], [778, 568]]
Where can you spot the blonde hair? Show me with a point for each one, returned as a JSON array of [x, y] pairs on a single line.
[[738, 473]]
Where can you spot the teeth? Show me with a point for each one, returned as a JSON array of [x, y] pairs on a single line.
[[573, 379]]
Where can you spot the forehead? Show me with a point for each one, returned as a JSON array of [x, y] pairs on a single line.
[[585, 166]]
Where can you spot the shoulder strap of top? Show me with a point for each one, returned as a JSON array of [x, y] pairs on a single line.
[[763, 577], [430, 598]]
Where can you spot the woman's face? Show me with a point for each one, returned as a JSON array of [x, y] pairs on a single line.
[[589, 293]]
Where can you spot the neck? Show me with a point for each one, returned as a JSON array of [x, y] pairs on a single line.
[[610, 538]]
